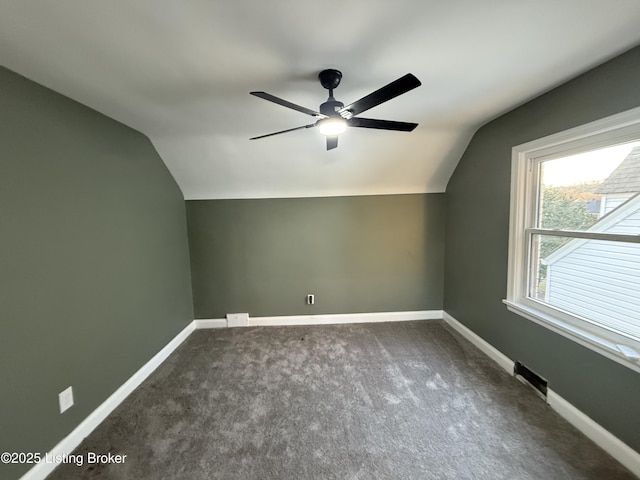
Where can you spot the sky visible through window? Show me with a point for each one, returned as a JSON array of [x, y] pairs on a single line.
[[592, 166]]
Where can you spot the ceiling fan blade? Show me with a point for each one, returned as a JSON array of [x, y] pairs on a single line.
[[283, 131], [381, 124], [284, 103], [332, 142], [392, 90]]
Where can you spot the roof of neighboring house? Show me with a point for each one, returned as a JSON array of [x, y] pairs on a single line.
[[625, 178], [604, 224]]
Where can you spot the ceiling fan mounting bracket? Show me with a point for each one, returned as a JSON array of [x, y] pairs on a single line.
[[330, 78]]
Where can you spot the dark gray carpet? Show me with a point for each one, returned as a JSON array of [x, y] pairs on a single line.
[[407, 400]]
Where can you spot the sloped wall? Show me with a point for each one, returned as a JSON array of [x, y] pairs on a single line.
[[94, 262], [477, 237]]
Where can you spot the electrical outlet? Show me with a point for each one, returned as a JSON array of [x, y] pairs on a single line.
[[311, 299], [65, 398]]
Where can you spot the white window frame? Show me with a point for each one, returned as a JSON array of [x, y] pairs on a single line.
[[616, 129]]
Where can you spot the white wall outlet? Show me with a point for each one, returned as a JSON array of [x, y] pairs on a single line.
[[65, 398], [311, 299], [237, 320]]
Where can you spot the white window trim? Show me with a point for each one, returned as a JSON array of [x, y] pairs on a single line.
[[620, 128]]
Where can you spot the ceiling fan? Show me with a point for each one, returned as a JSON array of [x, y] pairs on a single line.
[[334, 117]]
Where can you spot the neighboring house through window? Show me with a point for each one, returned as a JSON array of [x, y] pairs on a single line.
[[574, 258]]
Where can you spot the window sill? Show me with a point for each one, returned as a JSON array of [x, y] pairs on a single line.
[[587, 339]]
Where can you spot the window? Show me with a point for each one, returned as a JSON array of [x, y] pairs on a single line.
[[574, 246]]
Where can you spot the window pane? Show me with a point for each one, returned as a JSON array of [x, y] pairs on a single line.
[[577, 191], [594, 279]]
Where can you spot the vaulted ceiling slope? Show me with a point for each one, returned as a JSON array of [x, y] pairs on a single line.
[[181, 73]]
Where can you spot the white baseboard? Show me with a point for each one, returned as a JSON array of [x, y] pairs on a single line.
[[71, 441], [594, 431], [210, 323], [611, 444], [328, 319], [486, 348], [323, 319]]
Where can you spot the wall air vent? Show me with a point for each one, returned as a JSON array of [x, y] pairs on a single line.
[[530, 378]]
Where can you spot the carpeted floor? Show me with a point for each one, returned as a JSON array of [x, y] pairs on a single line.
[[406, 400]]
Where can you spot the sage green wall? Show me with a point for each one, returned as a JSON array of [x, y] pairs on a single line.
[[477, 221], [356, 254], [94, 263]]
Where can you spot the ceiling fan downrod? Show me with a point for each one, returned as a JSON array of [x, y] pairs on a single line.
[[330, 79]]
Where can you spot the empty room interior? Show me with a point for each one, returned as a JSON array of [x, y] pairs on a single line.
[[213, 266]]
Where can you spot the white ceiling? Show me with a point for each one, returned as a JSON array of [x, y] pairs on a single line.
[[181, 72]]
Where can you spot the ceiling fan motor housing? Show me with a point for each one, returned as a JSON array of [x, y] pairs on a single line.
[[331, 107]]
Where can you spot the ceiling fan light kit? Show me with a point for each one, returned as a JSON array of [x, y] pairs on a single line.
[[332, 126], [334, 118]]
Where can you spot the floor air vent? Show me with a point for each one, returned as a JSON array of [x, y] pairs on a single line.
[[532, 379]]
